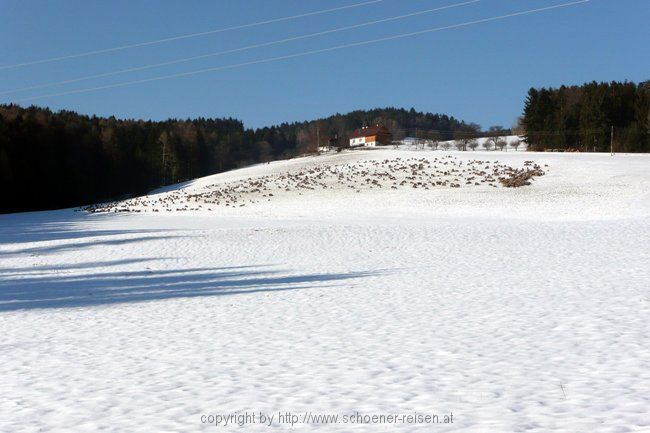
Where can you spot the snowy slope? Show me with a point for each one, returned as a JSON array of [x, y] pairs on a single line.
[[513, 309], [592, 186]]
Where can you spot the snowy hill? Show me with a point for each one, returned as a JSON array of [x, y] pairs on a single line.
[[372, 282], [390, 182]]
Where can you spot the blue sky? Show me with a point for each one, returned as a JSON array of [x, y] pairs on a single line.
[[478, 73]]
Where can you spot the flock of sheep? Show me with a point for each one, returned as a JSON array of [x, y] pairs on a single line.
[[415, 173]]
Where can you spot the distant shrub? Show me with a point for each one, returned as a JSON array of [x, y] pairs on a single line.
[[518, 178]]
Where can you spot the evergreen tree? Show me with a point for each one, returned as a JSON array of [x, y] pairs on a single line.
[[580, 117], [53, 160]]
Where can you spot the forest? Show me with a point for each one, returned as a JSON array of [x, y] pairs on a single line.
[[52, 160], [582, 118]]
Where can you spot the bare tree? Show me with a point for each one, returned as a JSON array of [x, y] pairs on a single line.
[[394, 128], [163, 140], [465, 134], [445, 145], [307, 139], [515, 143], [518, 127], [431, 138], [497, 136], [487, 144], [473, 144]]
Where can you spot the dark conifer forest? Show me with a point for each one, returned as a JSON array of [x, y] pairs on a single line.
[[581, 118], [52, 160]]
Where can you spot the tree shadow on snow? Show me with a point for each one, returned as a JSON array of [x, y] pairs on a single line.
[[55, 225], [44, 250], [60, 289], [52, 232], [119, 281]]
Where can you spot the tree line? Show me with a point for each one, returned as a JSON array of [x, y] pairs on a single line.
[[62, 159], [581, 118]]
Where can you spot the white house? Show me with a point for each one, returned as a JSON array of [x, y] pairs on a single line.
[[370, 136]]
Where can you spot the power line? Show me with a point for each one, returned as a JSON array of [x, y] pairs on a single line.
[[235, 50], [186, 36], [307, 53]]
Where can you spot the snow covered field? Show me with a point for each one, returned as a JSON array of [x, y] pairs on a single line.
[[514, 309]]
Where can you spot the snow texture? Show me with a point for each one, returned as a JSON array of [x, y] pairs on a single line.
[[515, 309]]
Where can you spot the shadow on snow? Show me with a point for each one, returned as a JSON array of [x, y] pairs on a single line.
[[53, 289], [107, 282], [54, 225]]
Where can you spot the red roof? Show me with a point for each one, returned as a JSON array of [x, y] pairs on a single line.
[[368, 131]]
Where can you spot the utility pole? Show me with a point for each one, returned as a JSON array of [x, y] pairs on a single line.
[[611, 143]]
